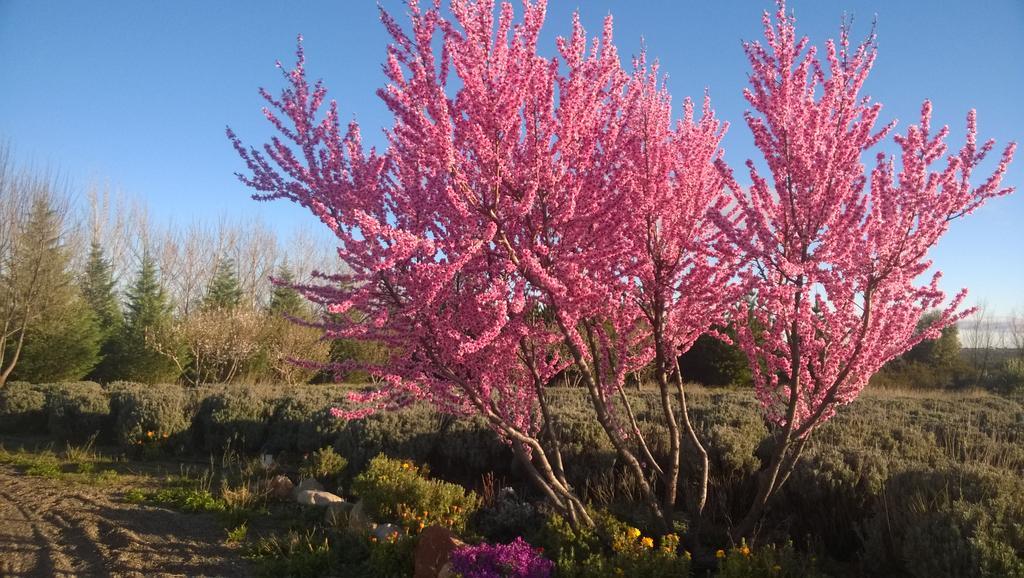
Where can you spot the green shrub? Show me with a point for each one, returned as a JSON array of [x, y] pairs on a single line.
[[611, 548], [22, 408], [302, 422], [151, 416], [233, 418], [771, 560], [398, 491], [324, 465], [78, 411]]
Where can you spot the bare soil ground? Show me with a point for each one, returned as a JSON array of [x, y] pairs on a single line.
[[50, 527]]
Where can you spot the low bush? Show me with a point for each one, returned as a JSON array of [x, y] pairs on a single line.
[[235, 417], [962, 521], [782, 561], [78, 411], [611, 548], [151, 417], [302, 422], [22, 408]]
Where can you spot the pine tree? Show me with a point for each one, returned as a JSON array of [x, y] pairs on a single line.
[[224, 291], [285, 300], [148, 313], [101, 297], [61, 336]]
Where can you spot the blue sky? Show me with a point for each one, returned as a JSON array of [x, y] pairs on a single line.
[[137, 93]]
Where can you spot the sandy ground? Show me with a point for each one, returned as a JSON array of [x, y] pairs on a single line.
[[54, 528]]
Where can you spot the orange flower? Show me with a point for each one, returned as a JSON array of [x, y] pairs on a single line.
[[720, 554]]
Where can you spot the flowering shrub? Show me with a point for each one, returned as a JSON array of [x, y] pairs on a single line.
[[514, 560], [613, 548], [784, 561], [398, 491]]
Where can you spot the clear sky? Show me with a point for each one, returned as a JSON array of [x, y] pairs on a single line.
[[137, 92]]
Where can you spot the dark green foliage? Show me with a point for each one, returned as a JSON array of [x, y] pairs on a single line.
[[62, 339], [98, 289], [285, 300], [929, 364], [223, 291], [64, 346], [22, 408], [147, 315], [78, 411], [713, 362]]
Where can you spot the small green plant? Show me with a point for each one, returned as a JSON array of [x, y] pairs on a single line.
[[44, 468], [238, 534], [325, 465], [135, 496]]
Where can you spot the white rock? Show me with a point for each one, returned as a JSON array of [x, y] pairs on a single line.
[[317, 498]]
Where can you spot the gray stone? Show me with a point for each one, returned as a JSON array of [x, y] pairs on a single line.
[[317, 498]]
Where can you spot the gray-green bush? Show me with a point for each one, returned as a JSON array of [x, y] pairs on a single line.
[[78, 411]]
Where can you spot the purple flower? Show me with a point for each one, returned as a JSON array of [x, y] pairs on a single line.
[[514, 560]]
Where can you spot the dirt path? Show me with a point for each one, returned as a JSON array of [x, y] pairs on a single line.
[[54, 528]]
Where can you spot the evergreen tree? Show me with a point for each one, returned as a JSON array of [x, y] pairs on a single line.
[[98, 290], [285, 300], [224, 291], [61, 336], [147, 314]]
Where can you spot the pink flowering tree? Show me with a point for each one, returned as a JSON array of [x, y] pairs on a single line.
[[835, 249], [530, 214]]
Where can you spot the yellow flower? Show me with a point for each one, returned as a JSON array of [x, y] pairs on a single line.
[[633, 533], [776, 568], [720, 554], [647, 542], [405, 465], [687, 555], [745, 550]]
